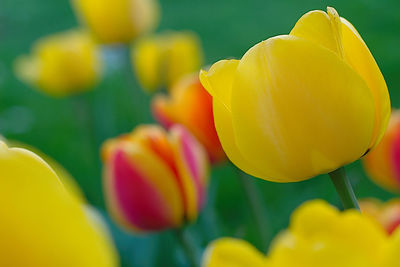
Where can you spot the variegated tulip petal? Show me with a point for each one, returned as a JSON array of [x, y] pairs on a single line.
[[142, 191], [42, 224], [193, 169], [232, 252], [292, 114]]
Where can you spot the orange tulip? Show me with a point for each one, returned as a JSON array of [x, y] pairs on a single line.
[[190, 104]]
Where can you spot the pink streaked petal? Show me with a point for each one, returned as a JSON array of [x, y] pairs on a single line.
[[195, 158], [140, 203]]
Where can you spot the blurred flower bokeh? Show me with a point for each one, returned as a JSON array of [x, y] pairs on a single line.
[[79, 187]]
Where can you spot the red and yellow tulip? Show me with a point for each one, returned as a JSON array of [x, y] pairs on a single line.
[[117, 21], [383, 163], [298, 105], [154, 180], [190, 104], [42, 224], [386, 214]]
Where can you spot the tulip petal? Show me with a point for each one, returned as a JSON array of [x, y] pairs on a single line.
[[192, 163], [218, 82], [142, 190], [233, 252], [316, 26], [41, 223], [306, 110], [360, 58]]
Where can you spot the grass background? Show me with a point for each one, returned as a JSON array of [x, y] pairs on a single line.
[[72, 129]]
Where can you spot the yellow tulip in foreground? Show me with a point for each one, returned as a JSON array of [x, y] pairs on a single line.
[[117, 21], [61, 64], [318, 235], [298, 105], [161, 60], [41, 223]]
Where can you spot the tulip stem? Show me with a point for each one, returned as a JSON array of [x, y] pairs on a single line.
[[187, 245], [344, 189], [257, 207]]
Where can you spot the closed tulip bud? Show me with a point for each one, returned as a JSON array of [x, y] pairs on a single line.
[[117, 21], [154, 180], [383, 163], [386, 214], [298, 105], [61, 64], [160, 60], [42, 224], [189, 104]]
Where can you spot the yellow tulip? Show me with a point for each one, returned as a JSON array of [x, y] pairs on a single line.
[[161, 60], [117, 21], [298, 105], [318, 235], [61, 64], [42, 224]]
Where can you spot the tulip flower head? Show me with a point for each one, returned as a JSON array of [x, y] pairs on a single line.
[[386, 214], [318, 235], [154, 180], [161, 60], [117, 21], [383, 163], [190, 104], [42, 224], [61, 64], [298, 105]]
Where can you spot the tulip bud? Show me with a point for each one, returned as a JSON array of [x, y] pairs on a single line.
[[117, 21], [42, 224], [298, 105], [383, 163], [61, 64], [386, 214], [154, 180], [160, 60], [190, 104]]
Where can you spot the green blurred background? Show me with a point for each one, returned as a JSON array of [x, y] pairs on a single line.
[[72, 129]]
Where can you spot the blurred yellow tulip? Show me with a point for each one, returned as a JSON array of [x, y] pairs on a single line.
[[117, 21], [162, 59], [61, 64], [318, 235], [383, 163], [42, 224], [302, 104]]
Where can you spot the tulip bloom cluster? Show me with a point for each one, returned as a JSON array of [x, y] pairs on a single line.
[[319, 235], [154, 180], [161, 60], [117, 21], [383, 163], [298, 105], [43, 224], [189, 104], [386, 214], [61, 64]]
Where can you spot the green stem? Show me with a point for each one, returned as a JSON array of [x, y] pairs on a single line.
[[344, 189], [257, 207], [187, 245]]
